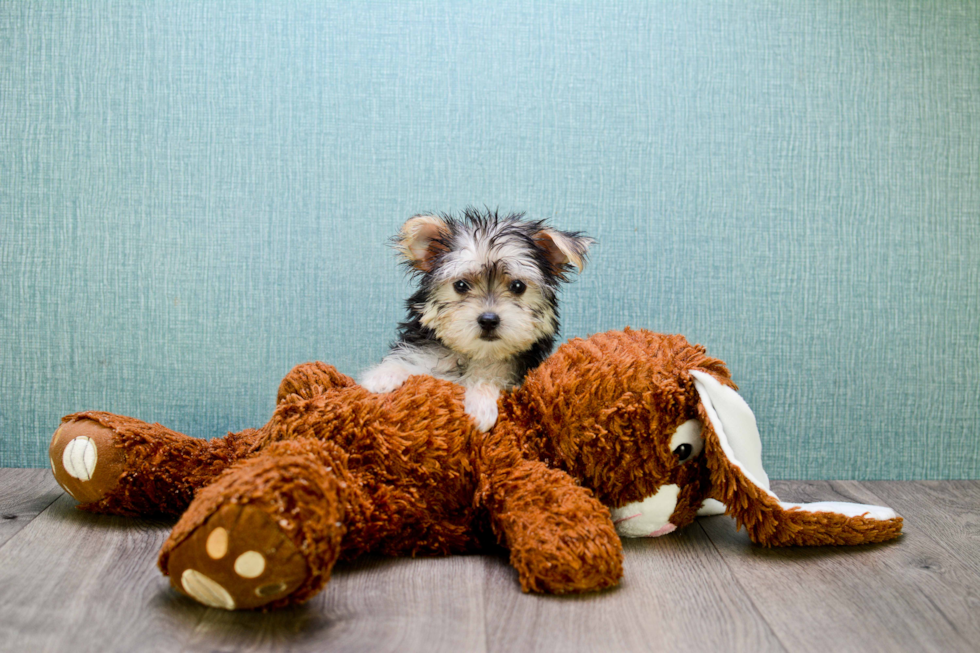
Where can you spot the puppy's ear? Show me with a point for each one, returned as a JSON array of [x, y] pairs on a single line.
[[564, 248], [732, 446], [421, 240]]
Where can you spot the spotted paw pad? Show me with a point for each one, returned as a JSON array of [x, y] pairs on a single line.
[[238, 559]]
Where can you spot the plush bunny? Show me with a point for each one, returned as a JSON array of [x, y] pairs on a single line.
[[629, 432]]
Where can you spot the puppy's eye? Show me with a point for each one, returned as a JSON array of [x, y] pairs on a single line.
[[517, 287], [683, 452], [461, 287]]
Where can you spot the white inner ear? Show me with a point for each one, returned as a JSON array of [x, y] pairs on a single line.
[[843, 508], [688, 433], [735, 425]]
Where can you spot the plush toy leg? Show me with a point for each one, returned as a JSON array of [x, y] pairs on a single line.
[[120, 465], [561, 539], [266, 533]]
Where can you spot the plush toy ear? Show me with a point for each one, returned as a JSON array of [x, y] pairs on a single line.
[[421, 240], [733, 449], [563, 248]]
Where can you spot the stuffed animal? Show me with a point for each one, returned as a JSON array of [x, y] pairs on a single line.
[[623, 433]]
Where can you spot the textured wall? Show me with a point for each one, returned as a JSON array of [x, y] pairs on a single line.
[[194, 196]]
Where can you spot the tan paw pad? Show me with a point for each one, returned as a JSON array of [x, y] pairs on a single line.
[[205, 590], [250, 564], [80, 457], [270, 590], [217, 543]]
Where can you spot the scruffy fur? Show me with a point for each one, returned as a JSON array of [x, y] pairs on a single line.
[[486, 308]]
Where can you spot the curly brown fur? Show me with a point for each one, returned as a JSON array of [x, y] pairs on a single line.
[[338, 472], [587, 410]]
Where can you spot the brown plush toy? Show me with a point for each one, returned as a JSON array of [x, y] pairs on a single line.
[[630, 426]]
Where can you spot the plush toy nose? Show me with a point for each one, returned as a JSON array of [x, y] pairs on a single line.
[[488, 321]]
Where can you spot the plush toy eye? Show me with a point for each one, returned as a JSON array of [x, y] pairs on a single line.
[[461, 287], [517, 287], [687, 441], [683, 452]]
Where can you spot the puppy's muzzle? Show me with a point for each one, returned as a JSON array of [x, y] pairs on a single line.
[[488, 324]]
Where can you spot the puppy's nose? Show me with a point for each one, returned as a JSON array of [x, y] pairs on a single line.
[[488, 321]]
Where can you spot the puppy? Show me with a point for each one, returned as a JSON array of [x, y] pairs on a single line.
[[486, 308]]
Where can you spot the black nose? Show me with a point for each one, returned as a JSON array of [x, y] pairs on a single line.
[[488, 321]]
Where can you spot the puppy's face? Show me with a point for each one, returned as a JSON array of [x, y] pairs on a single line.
[[489, 284], [489, 302]]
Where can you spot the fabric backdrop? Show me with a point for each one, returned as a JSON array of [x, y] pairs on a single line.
[[195, 196]]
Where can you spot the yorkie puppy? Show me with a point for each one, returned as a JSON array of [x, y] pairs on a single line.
[[486, 308]]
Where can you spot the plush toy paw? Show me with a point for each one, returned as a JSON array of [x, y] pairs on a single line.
[[85, 461], [237, 559]]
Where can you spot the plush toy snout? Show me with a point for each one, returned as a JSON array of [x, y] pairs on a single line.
[[652, 516]]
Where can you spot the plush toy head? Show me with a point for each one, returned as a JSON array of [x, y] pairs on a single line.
[[657, 429]]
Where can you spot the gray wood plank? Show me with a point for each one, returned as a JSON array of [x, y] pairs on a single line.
[[676, 595], [910, 594], [98, 574], [372, 604], [74, 581], [70, 580], [24, 493], [949, 511]]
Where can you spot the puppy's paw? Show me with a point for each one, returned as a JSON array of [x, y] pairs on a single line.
[[383, 378], [481, 405]]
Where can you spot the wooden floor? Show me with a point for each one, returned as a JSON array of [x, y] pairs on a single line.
[[71, 581]]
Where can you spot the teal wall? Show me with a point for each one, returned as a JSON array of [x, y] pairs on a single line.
[[195, 196]]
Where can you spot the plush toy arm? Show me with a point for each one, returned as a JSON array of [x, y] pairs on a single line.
[[561, 539]]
